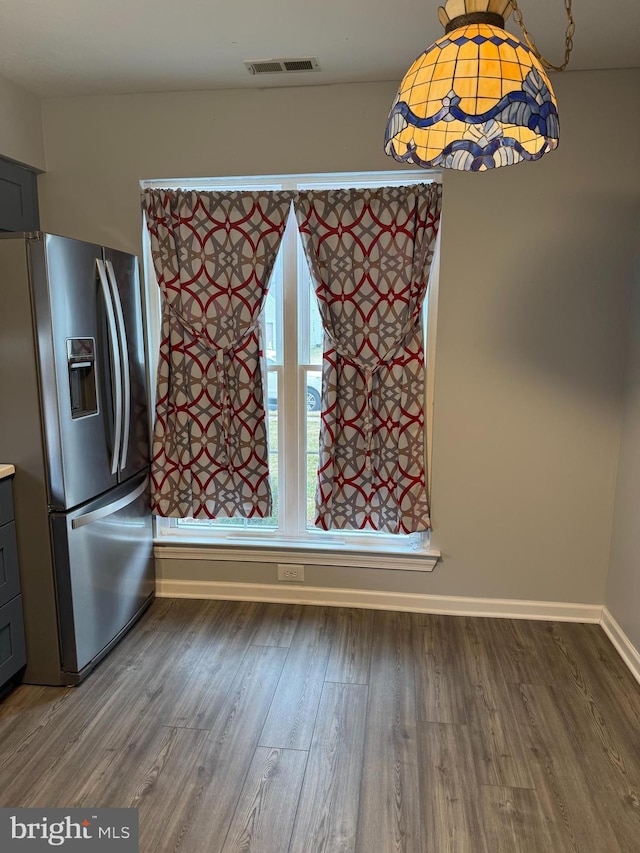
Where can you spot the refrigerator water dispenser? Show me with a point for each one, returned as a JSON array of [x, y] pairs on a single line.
[[83, 388]]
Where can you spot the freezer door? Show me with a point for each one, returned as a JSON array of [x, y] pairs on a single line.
[[122, 271], [104, 571], [76, 351]]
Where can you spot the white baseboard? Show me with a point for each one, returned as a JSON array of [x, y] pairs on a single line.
[[627, 651], [376, 600]]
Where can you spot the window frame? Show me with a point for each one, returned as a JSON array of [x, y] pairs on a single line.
[[294, 541]]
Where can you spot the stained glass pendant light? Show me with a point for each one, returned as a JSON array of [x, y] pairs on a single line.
[[479, 97]]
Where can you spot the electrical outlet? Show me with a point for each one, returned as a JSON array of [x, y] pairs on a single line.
[[290, 572]]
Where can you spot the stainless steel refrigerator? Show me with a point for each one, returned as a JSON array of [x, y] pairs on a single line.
[[73, 421]]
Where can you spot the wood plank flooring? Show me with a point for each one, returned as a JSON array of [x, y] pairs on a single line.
[[276, 728]]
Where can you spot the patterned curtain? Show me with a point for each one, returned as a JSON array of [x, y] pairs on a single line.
[[369, 252], [213, 255]]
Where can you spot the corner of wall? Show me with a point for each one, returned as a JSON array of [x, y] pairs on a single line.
[[622, 595], [21, 126]]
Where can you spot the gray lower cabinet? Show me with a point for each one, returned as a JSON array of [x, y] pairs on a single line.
[[12, 648]]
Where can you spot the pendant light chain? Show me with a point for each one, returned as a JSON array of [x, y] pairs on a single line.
[[571, 28]]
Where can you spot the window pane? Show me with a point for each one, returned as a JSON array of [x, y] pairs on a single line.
[[209, 524], [272, 439], [315, 326], [310, 325], [312, 480], [313, 392], [272, 317]]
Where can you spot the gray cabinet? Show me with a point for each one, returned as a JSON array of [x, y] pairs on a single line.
[[12, 647], [18, 198]]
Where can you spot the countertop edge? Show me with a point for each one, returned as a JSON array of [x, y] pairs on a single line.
[[6, 471]]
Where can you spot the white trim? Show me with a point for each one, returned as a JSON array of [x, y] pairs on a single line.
[[328, 180], [422, 561], [625, 648], [292, 427], [430, 331], [376, 600]]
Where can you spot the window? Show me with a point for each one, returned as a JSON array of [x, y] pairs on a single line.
[[292, 341]]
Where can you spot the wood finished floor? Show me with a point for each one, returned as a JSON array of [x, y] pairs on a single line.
[[287, 729]]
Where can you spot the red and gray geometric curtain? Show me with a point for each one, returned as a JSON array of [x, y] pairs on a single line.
[[369, 252], [213, 255]]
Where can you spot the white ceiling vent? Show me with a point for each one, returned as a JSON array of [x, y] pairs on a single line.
[[292, 65]]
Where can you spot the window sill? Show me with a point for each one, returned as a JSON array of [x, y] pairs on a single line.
[[312, 554]]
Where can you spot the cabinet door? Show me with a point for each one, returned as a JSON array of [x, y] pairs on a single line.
[[12, 649], [18, 198], [6, 501], [9, 574]]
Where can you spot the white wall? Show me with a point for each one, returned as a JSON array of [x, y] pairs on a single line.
[[21, 136], [99, 148], [623, 588], [532, 314], [532, 310]]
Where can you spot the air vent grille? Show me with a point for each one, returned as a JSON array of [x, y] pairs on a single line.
[[298, 65], [293, 65]]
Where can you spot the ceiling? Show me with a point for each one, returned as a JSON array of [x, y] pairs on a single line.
[[75, 47]]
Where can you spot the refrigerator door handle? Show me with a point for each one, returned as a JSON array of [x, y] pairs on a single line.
[[126, 368], [117, 366], [110, 509]]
